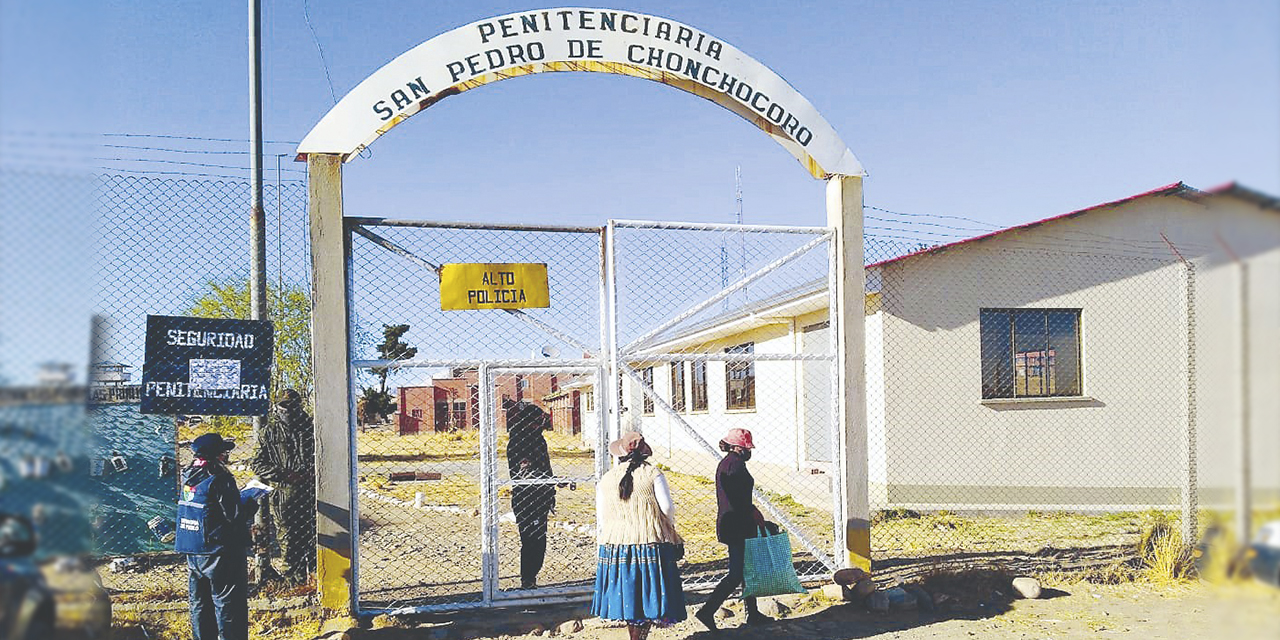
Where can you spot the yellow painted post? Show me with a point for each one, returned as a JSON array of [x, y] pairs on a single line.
[[329, 337], [844, 213]]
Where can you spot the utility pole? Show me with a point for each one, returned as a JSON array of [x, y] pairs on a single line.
[[257, 218], [257, 244]]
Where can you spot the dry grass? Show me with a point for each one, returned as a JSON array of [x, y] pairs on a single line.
[[384, 443], [911, 533], [297, 624], [1166, 559]]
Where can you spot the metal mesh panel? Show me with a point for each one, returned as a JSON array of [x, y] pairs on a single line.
[[436, 437], [179, 246], [722, 327], [1028, 396], [544, 478]]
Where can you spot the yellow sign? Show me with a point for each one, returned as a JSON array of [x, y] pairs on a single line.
[[494, 286]]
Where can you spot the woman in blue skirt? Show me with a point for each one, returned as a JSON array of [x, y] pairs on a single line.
[[637, 579]]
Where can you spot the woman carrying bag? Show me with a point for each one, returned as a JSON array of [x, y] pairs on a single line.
[[736, 520], [637, 580]]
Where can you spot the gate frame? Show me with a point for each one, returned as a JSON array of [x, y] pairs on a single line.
[[489, 483], [635, 350], [609, 366]]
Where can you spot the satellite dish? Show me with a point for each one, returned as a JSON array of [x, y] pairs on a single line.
[[550, 351]]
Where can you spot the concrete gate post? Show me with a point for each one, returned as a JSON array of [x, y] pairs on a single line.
[[332, 376], [844, 213]]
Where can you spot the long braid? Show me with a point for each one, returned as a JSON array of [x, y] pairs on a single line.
[[627, 484]]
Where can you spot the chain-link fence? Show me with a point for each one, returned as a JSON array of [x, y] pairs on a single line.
[[476, 462], [477, 479], [1023, 392], [723, 327], [1023, 395], [180, 247]]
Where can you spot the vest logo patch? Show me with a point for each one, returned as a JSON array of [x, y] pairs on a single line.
[[187, 524], [188, 492]]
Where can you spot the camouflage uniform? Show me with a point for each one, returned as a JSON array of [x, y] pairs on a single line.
[[285, 459]]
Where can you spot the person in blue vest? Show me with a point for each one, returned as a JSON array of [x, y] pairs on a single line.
[[213, 532]]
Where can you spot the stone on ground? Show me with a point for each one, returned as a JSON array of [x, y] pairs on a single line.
[[1028, 588], [773, 608], [864, 588], [849, 576], [570, 626], [900, 598]]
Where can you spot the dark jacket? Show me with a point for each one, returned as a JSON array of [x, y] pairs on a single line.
[[286, 454], [529, 458], [224, 520], [735, 515]]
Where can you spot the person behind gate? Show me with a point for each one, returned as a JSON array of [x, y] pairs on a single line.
[[637, 579], [286, 460], [736, 520], [529, 459], [213, 532]]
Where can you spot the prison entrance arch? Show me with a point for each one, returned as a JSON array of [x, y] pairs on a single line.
[[556, 40]]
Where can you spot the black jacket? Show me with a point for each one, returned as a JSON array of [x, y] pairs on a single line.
[[528, 458], [735, 515]]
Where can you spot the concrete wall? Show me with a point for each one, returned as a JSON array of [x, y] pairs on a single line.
[[932, 440], [1121, 443]]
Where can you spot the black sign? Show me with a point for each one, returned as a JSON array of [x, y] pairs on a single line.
[[207, 366]]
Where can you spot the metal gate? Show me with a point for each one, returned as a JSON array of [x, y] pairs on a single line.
[[502, 417]]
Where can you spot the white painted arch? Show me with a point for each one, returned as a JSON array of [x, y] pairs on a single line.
[[582, 39]]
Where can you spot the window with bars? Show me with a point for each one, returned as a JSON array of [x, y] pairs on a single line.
[[677, 387], [1030, 353], [740, 380], [646, 403], [698, 390]]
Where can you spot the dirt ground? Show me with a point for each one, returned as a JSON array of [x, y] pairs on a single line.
[[1242, 611]]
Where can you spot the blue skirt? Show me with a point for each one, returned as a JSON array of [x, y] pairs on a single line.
[[638, 583]]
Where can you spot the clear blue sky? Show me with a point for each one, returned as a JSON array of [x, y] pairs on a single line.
[[999, 111], [1003, 111]]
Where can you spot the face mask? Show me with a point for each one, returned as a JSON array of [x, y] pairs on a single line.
[[745, 453]]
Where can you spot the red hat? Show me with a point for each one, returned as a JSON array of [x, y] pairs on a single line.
[[738, 437], [629, 442]]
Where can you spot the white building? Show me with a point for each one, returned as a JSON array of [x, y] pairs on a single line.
[[1044, 366]]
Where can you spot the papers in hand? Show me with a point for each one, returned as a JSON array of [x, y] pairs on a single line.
[[254, 490]]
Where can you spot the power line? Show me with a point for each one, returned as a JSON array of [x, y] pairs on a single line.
[[200, 138], [186, 163], [188, 174], [324, 64], [209, 152], [931, 215]]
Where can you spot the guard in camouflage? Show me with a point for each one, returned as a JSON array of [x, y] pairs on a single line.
[[285, 459]]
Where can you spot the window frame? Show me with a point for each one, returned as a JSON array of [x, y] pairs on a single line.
[[991, 388], [749, 368], [646, 402], [679, 401], [694, 386]]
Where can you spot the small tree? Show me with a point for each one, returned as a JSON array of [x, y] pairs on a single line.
[[374, 405], [290, 311], [392, 348]]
